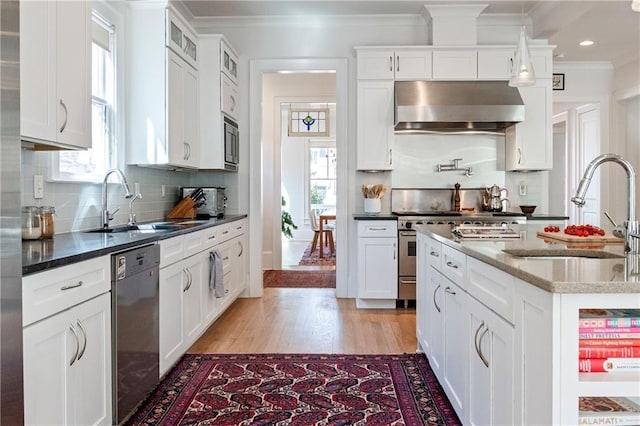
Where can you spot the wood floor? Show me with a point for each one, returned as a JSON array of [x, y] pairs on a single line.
[[294, 320]]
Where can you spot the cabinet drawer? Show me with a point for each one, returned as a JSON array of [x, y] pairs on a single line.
[[230, 97], [238, 228], [194, 243], [453, 265], [377, 228], [434, 254], [171, 251], [210, 237], [225, 232], [52, 291], [492, 287]]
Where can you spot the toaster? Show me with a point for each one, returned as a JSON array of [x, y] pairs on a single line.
[[214, 202]]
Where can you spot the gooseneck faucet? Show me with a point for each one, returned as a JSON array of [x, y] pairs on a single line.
[[106, 216], [630, 232]]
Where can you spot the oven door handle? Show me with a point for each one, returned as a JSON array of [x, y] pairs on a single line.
[[407, 233]]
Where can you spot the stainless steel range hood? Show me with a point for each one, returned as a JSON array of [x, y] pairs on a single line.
[[456, 106]]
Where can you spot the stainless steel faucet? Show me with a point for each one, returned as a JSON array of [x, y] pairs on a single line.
[[106, 216], [630, 228]]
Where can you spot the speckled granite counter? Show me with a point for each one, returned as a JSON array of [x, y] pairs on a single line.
[[549, 217], [72, 247], [377, 216], [556, 275]]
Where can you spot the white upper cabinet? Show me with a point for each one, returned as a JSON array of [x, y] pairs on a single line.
[[228, 60], [163, 105], [529, 145], [495, 63], [398, 64], [55, 73], [375, 125], [457, 64]]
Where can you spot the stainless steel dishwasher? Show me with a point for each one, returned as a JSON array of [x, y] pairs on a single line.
[[135, 327]]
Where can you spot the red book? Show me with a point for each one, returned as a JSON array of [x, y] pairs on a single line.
[[609, 335], [609, 351], [603, 365], [609, 330], [609, 342]]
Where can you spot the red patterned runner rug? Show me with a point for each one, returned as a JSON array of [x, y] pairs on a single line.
[[299, 279], [294, 389]]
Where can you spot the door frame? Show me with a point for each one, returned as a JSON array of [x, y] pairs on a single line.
[[257, 68]]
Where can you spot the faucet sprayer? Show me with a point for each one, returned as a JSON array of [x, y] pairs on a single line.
[[106, 216], [630, 228]]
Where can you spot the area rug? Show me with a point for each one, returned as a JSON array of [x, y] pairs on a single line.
[[299, 279], [295, 389], [310, 258]]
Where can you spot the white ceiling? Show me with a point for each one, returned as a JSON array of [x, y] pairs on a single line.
[[611, 24]]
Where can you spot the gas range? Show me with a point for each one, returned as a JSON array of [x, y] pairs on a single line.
[[407, 220]]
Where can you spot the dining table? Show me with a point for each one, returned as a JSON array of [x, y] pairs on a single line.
[[324, 218]]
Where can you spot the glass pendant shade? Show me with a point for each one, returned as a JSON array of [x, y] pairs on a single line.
[[522, 73], [635, 5]]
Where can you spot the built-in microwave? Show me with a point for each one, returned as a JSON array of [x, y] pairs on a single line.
[[231, 144]]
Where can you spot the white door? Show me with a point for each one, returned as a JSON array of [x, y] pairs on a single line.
[[171, 307], [588, 141], [375, 125], [435, 295], [377, 268], [192, 304], [455, 346], [190, 118], [176, 145]]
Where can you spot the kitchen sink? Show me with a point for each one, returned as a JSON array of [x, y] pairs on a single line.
[[149, 227], [562, 253]]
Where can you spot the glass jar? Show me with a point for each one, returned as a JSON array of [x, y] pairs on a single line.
[[46, 217], [31, 225]]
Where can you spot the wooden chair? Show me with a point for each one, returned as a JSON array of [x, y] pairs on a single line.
[[327, 229]]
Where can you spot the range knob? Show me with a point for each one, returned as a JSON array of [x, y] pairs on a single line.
[[408, 225]]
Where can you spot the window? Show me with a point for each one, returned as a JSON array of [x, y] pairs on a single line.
[[91, 165], [322, 176]]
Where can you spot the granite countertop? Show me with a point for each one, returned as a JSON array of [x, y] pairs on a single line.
[[63, 249], [376, 216], [547, 217], [555, 275]]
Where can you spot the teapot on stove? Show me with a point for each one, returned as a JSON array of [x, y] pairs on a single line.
[[492, 198]]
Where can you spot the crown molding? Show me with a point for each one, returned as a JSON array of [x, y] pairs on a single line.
[[570, 65]]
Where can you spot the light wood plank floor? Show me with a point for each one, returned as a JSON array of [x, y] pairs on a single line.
[[311, 320]]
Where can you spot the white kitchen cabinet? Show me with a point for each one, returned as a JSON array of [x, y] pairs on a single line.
[[454, 377], [181, 38], [218, 85], [529, 144], [494, 63], [172, 338], [435, 318], [455, 64], [375, 117], [378, 259], [67, 366], [421, 293], [410, 63], [163, 105], [491, 367], [55, 73]]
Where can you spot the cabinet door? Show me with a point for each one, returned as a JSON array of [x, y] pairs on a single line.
[[455, 65], [375, 65], [228, 62], [530, 144], [377, 268], [413, 64], [92, 372], [421, 290], [229, 97], [74, 73], [67, 366], [375, 125], [455, 346], [194, 267], [171, 323], [435, 328], [191, 127], [491, 361], [238, 264]]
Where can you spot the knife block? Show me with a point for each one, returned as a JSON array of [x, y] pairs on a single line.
[[185, 209]]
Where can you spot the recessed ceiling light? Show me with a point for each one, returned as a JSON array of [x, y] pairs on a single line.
[[586, 43]]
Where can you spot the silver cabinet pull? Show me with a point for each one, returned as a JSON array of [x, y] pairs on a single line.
[[519, 156], [477, 342], [394, 251], [66, 116], [390, 63], [241, 249], [452, 265], [448, 290], [225, 258], [84, 344], [225, 232], [212, 237], [70, 286], [434, 253], [75, 337], [434, 298], [189, 280], [398, 63], [373, 228], [390, 156]]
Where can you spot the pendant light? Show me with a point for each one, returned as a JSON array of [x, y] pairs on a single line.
[[522, 73], [635, 5]]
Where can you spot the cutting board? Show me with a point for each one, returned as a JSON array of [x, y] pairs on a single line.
[[573, 239]]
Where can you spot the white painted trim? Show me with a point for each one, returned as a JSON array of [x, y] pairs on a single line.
[[622, 95], [599, 65], [257, 67]]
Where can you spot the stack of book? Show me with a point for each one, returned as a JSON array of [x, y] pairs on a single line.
[[609, 411], [609, 340]]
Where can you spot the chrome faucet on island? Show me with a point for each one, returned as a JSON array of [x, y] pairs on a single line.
[[630, 227], [105, 215]]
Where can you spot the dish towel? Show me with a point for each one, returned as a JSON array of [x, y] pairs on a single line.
[[216, 277]]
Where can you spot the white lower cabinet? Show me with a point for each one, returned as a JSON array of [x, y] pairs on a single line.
[[378, 259], [455, 345], [188, 306], [491, 363], [67, 366], [435, 322]]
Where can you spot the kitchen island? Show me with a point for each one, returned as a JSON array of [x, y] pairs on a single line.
[[501, 332]]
